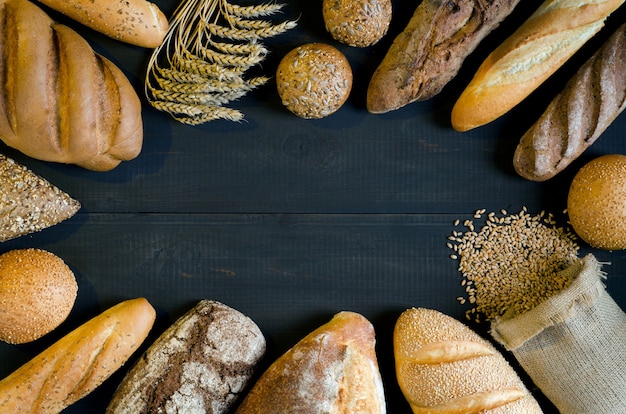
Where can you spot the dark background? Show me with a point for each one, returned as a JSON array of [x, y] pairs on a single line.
[[291, 220]]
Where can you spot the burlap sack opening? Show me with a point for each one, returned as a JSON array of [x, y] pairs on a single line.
[[573, 344]]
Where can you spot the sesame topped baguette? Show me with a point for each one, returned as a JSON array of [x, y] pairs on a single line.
[[544, 42]]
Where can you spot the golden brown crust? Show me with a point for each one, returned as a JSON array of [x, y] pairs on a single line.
[[314, 80], [577, 116], [79, 362], [332, 370], [63, 102], [431, 49], [358, 23], [37, 293], [527, 58], [137, 22], [442, 366]]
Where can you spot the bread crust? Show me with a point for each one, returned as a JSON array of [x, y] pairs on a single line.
[[537, 49], [201, 363], [431, 49], [442, 366], [593, 98], [332, 370], [79, 362], [137, 22], [63, 102], [28, 202]]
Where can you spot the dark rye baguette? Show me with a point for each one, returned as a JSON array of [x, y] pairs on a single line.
[[431, 49], [578, 116], [201, 363], [61, 101]]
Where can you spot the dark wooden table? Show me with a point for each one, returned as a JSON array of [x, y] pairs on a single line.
[[291, 220]]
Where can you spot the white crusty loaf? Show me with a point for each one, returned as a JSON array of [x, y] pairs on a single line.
[[138, 22], [442, 366], [29, 203], [537, 49], [79, 362], [61, 101], [422, 59], [331, 370], [593, 98], [201, 363]]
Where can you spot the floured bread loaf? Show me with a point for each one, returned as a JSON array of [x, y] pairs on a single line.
[[332, 370], [29, 203], [62, 102], [201, 364], [442, 366]]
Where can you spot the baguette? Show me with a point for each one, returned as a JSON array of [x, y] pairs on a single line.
[[576, 117], [28, 202], [331, 370], [442, 366], [537, 49], [62, 102], [430, 51], [137, 22], [201, 363], [79, 362]]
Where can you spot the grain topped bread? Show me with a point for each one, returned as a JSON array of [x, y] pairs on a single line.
[[200, 364], [28, 202]]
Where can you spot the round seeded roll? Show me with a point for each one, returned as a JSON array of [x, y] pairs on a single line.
[[314, 80], [359, 23], [37, 293]]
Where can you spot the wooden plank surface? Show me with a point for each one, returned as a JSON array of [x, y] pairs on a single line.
[[289, 220]]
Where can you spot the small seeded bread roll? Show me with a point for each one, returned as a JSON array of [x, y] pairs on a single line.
[[201, 364], [596, 202], [442, 366], [359, 23], [29, 203], [37, 293], [314, 80]]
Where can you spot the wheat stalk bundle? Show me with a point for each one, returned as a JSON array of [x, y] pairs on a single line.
[[200, 66]]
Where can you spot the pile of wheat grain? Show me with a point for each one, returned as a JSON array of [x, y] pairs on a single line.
[[512, 262]]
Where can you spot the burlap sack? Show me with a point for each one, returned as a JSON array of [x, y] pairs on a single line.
[[573, 345]]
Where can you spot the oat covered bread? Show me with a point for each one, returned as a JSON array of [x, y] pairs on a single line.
[[592, 99], [331, 370], [28, 202], [431, 49], [443, 366], [60, 100], [200, 364]]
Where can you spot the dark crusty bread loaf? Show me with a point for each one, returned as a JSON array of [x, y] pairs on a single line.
[[578, 116], [443, 366], [431, 49], [201, 363], [331, 370], [28, 202], [61, 101]]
